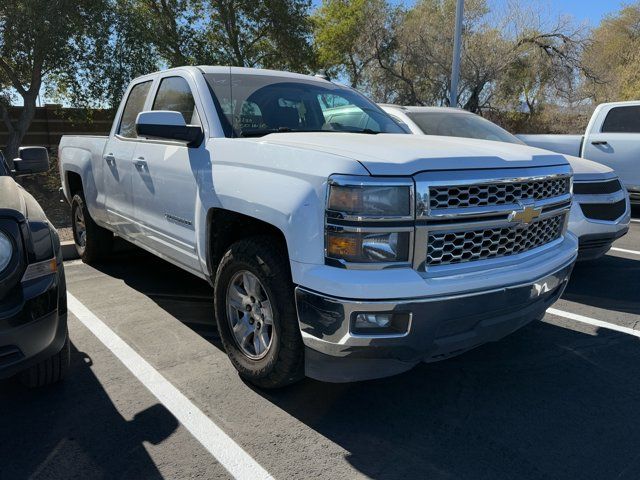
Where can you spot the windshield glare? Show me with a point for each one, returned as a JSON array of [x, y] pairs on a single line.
[[456, 124], [256, 105]]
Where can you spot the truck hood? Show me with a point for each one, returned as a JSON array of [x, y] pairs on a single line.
[[16, 202], [400, 154], [588, 170]]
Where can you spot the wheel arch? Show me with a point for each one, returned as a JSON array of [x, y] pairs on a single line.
[[226, 227]]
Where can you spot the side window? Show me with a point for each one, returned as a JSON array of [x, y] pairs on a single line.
[[134, 105], [622, 120], [174, 94]]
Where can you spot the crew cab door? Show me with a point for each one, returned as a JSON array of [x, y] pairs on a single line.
[[117, 161], [165, 180], [617, 142]]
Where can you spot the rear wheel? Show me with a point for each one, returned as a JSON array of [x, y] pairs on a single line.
[[256, 315], [93, 242]]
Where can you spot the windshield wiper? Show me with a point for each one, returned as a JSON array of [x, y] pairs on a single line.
[[259, 132]]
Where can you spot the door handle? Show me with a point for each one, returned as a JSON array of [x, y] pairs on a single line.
[[109, 158], [599, 142], [140, 163]]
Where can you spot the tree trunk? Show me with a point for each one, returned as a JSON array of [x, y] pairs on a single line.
[[18, 130]]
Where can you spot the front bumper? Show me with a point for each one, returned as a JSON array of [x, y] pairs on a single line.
[[597, 236], [33, 324], [440, 327]]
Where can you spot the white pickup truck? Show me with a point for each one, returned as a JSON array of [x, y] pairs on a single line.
[[612, 138], [343, 250], [600, 213]]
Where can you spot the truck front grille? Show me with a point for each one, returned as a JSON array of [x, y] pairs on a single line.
[[448, 247], [484, 195], [466, 217]]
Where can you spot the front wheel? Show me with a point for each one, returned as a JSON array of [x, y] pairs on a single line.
[[93, 242], [256, 314]]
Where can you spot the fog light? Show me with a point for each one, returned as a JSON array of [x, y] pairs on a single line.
[[372, 320], [372, 323]]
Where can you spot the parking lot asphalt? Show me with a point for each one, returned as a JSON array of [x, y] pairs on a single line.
[[557, 399]]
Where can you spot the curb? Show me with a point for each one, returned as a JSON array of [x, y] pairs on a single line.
[[69, 251]]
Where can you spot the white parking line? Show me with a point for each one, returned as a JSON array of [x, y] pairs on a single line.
[[230, 455], [594, 322], [635, 220], [624, 250]]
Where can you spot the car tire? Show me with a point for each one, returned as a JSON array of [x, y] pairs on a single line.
[[49, 371], [93, 242], [282, 362]]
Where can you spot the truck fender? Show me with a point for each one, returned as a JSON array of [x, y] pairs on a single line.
[[78, 161]]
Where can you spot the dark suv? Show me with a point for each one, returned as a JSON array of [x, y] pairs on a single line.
[[34, 342]]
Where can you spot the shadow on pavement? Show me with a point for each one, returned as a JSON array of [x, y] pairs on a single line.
[[73, 430], [610, 282], [184, 296], [543, 403], [546, 402]]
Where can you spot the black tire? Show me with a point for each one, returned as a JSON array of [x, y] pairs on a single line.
[[283, 363], [49, 371], [98, 241]]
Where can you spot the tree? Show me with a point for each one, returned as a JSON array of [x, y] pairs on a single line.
[[39, 38], [345, 32], [614, 57], [506, 57], [270, 33]]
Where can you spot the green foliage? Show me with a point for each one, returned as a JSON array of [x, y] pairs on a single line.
[[40, 39], [614, 56]]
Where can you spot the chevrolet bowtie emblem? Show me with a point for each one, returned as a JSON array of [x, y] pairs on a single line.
[[527, 215]]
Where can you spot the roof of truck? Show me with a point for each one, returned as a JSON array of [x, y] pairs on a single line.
[[238, 71]]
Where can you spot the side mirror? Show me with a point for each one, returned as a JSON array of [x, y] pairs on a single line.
[[31, 160], [168, 125]]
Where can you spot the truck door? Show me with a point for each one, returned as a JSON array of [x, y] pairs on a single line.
[[165, 180], [617, 143], [118, 167]]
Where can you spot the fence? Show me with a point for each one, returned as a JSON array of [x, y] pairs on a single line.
[[53, 121]]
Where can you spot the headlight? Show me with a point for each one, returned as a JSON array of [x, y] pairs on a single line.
[[371, 201], [6, 251], [370, 247], [367, 220]]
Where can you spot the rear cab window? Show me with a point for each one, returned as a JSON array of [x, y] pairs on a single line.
[[135, 104], [622, 120]]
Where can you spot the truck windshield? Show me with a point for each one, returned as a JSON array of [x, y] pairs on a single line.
[[256, 105], [456, 124]]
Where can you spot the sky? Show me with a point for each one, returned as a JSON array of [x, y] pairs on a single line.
[[590, 11]]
